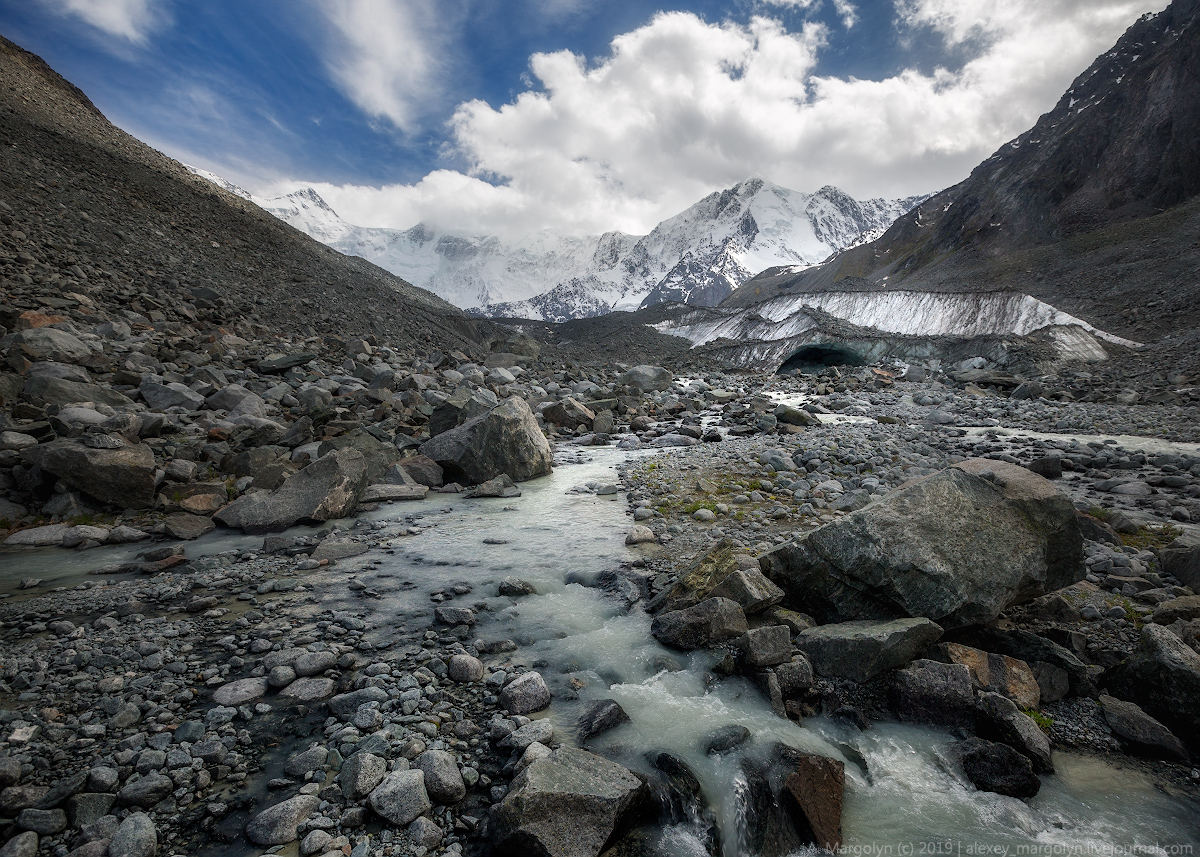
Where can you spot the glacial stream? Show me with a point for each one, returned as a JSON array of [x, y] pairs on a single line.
[[903, 796]]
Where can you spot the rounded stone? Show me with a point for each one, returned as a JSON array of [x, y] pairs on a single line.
[[465, 668]]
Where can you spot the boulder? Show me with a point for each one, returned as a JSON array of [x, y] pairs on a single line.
[[1034, 650], [504, 440], [647, 378], [1162, 677], [360, 774], [463, 404], [864, 649], [384, 493], [750, 588], [277, 825], [713, 620], [181, 525], [997, 673], [525, 694], [958, 548], [60, 391], [243, 690], [401, 797], [160, 397], [443, 782], [997, 719], [568, 804], [1181, 558], [767, 646], [569, 413], [818, 786], [600, 716], [997, 768], [423, 470], [121, 477], [1138, 729], [328, 488], [136, 837], [935, 693], [47, 343]]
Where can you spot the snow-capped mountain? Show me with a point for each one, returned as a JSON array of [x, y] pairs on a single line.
[[698, 257]]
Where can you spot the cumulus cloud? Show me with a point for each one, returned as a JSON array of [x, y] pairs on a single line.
[[681, 107], [388, 56], [132, 20]]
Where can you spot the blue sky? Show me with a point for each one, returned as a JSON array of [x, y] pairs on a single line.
[[569, 114]]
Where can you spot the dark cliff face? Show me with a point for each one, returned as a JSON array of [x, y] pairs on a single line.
[[1094, 209]]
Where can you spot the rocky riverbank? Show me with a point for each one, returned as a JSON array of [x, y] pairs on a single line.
[[257, 697]]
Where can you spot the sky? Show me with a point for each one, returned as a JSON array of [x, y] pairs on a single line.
[[579, 116]]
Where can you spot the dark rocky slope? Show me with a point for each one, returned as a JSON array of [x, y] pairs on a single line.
[[1093, 210], [89, 210]]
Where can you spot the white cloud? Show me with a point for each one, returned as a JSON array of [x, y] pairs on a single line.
[[388, 56], [132, 20], [681, 107], [847, 11]]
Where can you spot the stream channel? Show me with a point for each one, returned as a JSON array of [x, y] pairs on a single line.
[[903, 794]]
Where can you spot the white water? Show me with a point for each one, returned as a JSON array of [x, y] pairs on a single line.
[[907, 801]]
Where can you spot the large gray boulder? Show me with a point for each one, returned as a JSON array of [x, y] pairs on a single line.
[[121, 477], [1163, 678], [47, 343], [999, 720], [958, 548], [401, 797], [713, 620], [647, 378], [277, 825], [569, 804], [504, 440], [931, 692], [328, 488], [864, 649], [464, 404], [62, 391], [1137, 728]]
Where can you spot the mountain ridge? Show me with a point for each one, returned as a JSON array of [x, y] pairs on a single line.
[[1095, 209], [699, 256]]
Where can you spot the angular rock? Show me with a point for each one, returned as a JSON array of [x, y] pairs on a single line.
[[569, 804], [1033, 649], [600, 716], [795, 677], [647, 378], [525, 694], [136, 837], [147, 791], [997, 673], [22, 845], [328, 488], [935, 693], [120, 477], [277, 825], [47, 343], [1162, 677], [463, 404], [767, 646], [1137, 728], [383, 493], [956, 547], [818, 786], [160, 397], [998, 768], [59, 391], [569, 413], [713, 620], [443, 782], [401, 797], [181, 525], [750, 588], [241, 691], [423, 470], [864, 649], [360, 774], [997, 719], [504, 440]]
